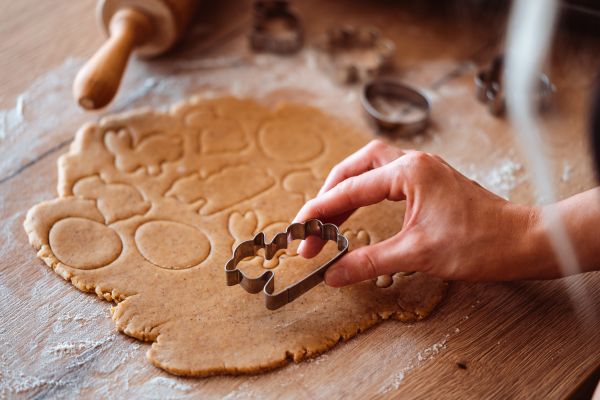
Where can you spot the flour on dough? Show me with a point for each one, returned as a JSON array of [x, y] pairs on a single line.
[[151, 204]]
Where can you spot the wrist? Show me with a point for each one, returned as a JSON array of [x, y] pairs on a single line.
[[538, 258]]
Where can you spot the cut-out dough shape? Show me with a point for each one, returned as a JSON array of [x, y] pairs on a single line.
[[111, 198], [163, 264], [241, 226], [302, 182], [68, 237], [292, 142], [223, 188], [150, 152], [142, 124], [172, 245], [211, 137]]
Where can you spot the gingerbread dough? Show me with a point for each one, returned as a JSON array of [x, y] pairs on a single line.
[[151, 204]]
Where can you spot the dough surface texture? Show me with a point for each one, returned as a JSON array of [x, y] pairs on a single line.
[[151, 203]]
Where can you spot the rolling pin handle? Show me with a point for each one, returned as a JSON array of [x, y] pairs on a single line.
[[97, 82]]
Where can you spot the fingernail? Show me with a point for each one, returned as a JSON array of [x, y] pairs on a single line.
[[336, 277]]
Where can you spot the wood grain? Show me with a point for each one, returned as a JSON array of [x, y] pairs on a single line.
[[37, 36], [513, 340]]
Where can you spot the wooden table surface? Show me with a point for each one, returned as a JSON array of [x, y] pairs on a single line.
[[512, 340]]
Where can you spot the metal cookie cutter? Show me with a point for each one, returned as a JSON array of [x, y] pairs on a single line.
[[276, 29], [266, 282], [355, 54], [396, 106], [490, 91]]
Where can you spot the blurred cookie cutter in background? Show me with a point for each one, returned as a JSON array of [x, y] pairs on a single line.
[[396, 107], [276, 29], [341, 48], [266, 282], [490, 90]]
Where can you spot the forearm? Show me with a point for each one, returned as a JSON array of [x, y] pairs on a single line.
[[580, 215]]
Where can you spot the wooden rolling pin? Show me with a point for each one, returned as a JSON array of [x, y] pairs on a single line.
[[148, 27]]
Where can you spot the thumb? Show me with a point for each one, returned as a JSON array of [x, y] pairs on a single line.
[[368, 262]]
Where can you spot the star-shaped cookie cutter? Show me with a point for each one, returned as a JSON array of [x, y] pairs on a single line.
[[266, 282]]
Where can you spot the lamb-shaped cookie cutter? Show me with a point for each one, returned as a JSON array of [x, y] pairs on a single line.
[[266, 282]]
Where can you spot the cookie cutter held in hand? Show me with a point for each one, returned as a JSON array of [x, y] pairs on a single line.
[[266, 282]]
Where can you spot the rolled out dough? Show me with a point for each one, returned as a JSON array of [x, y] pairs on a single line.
[[151, 203]]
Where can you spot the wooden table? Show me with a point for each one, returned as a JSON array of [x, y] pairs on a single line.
[[513, 340]]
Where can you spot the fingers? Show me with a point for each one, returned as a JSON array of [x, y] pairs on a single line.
[[373, 155], [368, 188], [312, 245], [383, 258]]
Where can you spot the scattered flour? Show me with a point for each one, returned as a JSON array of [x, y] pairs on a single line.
[[242, 392], [70, 348], [10, 118], [163, 387], [501, 179], [318, 360], [168, 382], [19, 383], [397, 380], [504, 177], [425, 355], [422, 357], [433, 350]]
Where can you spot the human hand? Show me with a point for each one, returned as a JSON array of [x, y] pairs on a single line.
[[453, 228]]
